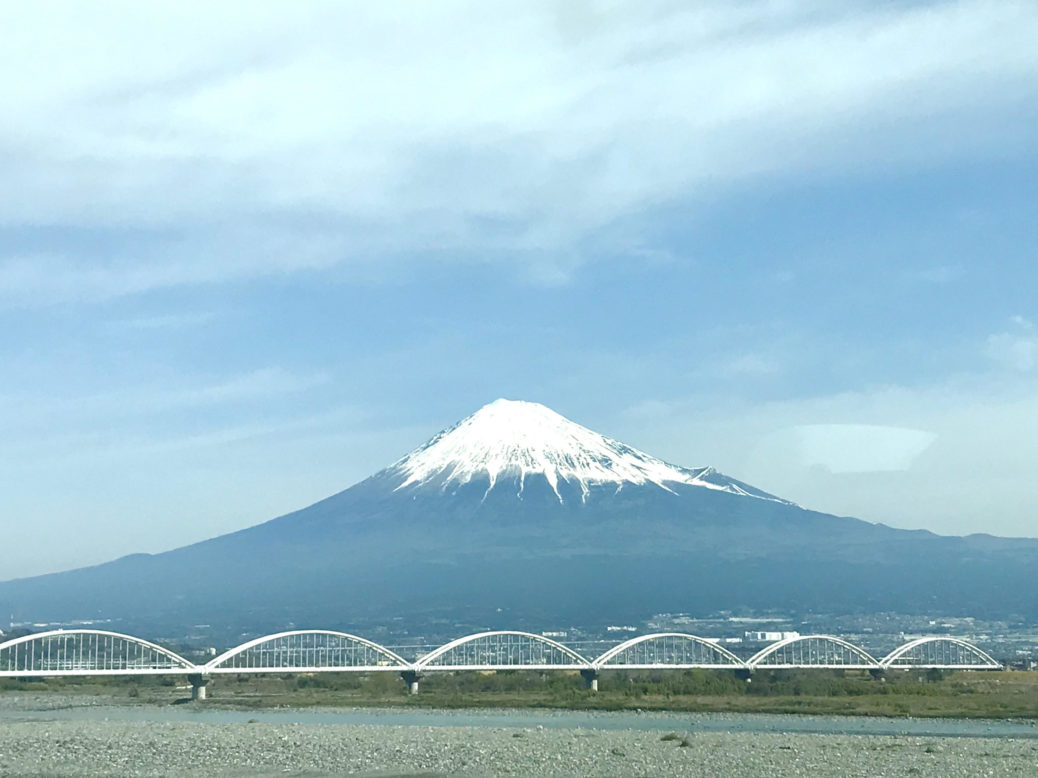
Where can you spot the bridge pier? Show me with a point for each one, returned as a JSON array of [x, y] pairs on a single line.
[[198, 684], [878, 673], [590, 676], [744, 674], [411, 678]]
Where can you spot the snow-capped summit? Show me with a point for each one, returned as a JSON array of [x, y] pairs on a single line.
[[515, 440]]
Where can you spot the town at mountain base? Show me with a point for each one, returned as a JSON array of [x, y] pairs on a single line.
[[518, 517]]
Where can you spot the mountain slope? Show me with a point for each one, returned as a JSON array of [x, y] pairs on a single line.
[[518, 516]]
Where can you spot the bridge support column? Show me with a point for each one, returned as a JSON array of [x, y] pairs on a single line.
[[590, 677], [198, 684], [744, 674], [411, 678], [878, 673]]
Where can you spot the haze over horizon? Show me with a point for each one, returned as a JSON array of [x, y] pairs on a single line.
[[251, 254]]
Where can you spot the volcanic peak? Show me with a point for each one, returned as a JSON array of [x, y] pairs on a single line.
[[511, 438]]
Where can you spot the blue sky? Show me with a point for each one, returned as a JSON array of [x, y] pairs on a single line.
[[250, 254]]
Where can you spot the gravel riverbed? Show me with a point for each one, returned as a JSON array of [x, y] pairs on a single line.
[[142, 748]]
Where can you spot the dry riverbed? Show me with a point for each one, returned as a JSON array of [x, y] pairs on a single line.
[[119, 748], [38, 737]]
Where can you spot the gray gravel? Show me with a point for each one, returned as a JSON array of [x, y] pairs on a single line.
[[110, 748]]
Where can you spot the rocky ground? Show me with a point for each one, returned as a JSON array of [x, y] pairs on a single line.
[[110, 748]]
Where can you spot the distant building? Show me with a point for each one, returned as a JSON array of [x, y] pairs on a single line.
[[769, 637]]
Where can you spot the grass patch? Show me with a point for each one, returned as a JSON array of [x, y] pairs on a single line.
[[992, 694]]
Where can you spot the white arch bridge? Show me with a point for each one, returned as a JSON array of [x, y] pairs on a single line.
[[90, 652]]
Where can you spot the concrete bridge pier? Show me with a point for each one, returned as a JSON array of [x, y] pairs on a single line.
[[198, 684], [590, 677], [744, 674], [878, 673], [411, 678]]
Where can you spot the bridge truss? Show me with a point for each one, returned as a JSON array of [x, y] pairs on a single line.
[[307, 651], [87, 652], [821, 651], [939, 653], [675, 650], [504, 650]]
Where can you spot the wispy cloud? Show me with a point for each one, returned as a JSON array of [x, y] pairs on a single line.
[[1015, 349], [169, 321], [749, 365], [939, 274], [102, 409], [857, 448], [202, 256], [938, 456], [509, 136]]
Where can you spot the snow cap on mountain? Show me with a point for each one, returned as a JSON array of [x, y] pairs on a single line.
[[511, 438]]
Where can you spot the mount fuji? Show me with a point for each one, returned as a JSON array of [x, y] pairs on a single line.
[[517, 516], [508, 441]]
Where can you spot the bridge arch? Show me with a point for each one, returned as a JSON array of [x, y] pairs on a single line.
[[87, 652], [940, 652], [313, 650], [503, 650], [668, 649], [823, 651]]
